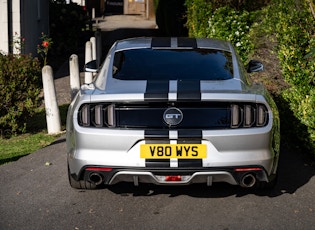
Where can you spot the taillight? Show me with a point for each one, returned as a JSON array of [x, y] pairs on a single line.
[[84, 115], [262, 115], [98, 115], [236, 116], [248, 115], [111, 115]]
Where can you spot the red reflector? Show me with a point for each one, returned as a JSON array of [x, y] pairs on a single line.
[[98, 169], [247, 169], [173, 178]]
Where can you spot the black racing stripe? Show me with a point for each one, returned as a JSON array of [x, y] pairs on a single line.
[[154, 134], [156, 91], [157, 137], [189, 163], [195, 134], [157, 163], [187, 42], [160, 42], [189, 137], [188, 91]]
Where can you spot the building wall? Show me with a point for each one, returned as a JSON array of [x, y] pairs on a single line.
[[4, 36], [140, 7], [34, 22], [23, 19]]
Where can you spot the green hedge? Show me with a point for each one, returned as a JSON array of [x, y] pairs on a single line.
[[291, 22], [68, 26], [210, 19], [20, 85], [294, 28], [170, 17]]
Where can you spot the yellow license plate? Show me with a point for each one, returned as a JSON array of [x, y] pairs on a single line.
[[167, 151]]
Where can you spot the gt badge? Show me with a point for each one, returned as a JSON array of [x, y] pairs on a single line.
[[173, 116]]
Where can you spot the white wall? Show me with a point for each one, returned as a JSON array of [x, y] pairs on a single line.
[[79, 2], [34, 21], [29, 18], [4, 37], [16, 23]]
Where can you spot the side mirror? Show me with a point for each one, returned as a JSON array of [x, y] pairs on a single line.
[[254, 66], [91, 67]]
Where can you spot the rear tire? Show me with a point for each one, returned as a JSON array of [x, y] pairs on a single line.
[[80, 184], [267, 185]]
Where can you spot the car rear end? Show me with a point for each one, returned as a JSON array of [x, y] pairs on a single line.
[[172, 131]]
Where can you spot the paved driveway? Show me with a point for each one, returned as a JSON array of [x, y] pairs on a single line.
[[34, 194]]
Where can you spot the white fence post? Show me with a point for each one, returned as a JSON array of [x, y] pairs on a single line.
[[51, 106], [74, 75], [93, 41], [88, 58], [93, 13]]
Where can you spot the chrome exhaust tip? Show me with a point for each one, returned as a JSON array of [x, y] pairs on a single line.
[[96, 178], [248, 180]]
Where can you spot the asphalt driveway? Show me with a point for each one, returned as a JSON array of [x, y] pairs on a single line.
[[35, 194]]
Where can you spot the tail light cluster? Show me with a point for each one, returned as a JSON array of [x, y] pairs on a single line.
[[98, 115], [242, 115], [248, 115]]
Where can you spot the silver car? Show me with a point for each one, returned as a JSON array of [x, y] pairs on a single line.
[[172, 111]]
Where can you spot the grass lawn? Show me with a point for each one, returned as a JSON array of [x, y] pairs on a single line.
[[13, 148]]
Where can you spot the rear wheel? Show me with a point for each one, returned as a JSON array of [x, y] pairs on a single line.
[[80, 184], [267, 185]]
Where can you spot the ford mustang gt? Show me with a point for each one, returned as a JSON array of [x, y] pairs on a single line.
[[172, 111]]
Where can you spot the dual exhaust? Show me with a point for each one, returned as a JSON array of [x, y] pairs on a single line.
[[248, 180], [96, 178]]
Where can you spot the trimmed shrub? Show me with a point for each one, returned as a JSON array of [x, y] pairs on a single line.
[[232, 25], [20, 87], [67, 26], [292, 24], [170, 17], [198, 14]]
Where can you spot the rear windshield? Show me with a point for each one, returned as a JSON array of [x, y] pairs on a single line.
[[185, 64]]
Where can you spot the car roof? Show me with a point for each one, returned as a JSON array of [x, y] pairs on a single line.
[[173, 43], [109, 84]]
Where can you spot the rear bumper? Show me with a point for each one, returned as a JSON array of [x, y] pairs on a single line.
[[184, 176]]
